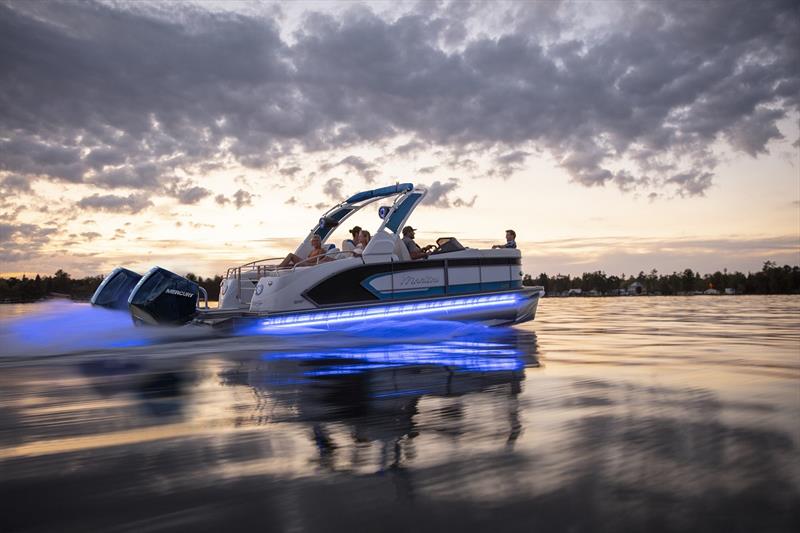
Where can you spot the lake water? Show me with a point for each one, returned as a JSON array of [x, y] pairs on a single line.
[[604, 414]]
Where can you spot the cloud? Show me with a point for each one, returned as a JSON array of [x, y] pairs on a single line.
[[242, 198], [439, 195], [192, 195], [132, 203], [143, 176], [508, 163], [692, 183], [15, 184], [637, 100], [23, 242], [410, 148], [187, 193], [365, 169], [90, 235], [460, 202], [752, 133], [290, 171], [333, 189]]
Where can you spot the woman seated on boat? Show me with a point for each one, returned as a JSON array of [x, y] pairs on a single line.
[[363, 241], [316, 256]]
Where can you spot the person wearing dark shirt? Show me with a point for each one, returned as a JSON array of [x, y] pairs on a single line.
[[349, 244], [413, 248], [511, 240]]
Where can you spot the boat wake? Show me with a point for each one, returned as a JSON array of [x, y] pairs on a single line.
[[66, 328], [59, 328]]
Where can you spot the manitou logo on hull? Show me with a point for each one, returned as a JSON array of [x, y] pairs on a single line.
[[180, 293], [422, 281]]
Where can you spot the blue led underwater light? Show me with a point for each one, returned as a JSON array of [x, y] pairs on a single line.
[[378, 312]]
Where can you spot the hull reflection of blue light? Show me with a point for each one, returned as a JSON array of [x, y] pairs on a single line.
[[471, 344], [501, 358], [389, 311], [341, 370]]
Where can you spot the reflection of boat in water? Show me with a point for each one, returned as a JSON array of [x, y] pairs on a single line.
[[354, 396], [345, 287]]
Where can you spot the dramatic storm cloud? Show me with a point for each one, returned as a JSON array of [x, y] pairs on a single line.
[[140, 115], [121, 98]]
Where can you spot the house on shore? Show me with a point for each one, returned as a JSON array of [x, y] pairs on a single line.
[[636, 289]]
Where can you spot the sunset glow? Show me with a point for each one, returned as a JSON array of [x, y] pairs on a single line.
[[611, 136]]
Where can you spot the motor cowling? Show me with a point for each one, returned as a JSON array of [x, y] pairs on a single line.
[[116, 288], [163, 298]]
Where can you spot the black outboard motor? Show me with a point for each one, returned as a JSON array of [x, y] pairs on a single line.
[[114, 291], [163, 298]]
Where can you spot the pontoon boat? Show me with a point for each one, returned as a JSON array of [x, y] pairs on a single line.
[[382, 282]]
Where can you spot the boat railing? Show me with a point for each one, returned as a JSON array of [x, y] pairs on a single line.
[[314, 261], [204, 294], [262, 268], [258, 265]]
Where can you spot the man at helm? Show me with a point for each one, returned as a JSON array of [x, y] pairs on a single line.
[[413, 248]]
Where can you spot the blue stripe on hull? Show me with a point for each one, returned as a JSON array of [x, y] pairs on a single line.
[[464, 288]]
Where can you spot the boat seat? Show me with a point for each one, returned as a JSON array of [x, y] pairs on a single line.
[[348, 245], [401, 251]]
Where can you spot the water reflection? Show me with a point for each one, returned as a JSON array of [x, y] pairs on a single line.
[[361, 403], [159, 390], [595, 422]]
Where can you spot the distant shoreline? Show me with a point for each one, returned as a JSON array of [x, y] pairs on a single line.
[[553, 296], [772, 279]]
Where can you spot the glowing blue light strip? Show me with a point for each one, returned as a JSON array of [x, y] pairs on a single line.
[[318, 318]]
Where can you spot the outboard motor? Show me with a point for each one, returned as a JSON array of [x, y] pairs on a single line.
[[114, 291], [163, 298]]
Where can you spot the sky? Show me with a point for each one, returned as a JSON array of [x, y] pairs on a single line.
[[614, 136]]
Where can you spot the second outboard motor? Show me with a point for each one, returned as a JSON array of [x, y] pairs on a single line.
[[114, 291], [163, 298]]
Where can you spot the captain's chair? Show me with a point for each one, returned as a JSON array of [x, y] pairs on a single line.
[[401, 251]]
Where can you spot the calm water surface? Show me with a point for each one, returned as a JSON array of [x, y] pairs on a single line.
[[605, 414]]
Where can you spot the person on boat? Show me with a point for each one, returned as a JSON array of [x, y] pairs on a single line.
[[363, 241], [511, 240], [315, 257], [413, 248], [348, 245]]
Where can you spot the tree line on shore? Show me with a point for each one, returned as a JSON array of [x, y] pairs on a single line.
[[61, 284], [772, 279]]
